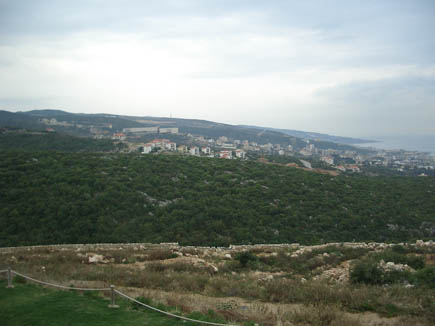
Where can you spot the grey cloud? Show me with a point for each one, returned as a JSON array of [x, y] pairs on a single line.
[[395, 30], [25, 102], [417, 88], [320, 36], [59, 16], [390, 106]]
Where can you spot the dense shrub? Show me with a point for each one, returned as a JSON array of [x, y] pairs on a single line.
[[416, 262], [245, 257], [399, 249], [367, 272], [396, 277], [116, 198], [161, 254], [426, 277]]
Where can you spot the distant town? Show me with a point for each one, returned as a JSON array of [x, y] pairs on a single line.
[[160, 140]]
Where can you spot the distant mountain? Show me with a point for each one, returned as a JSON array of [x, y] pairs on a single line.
[[257, 134], [18, 120], [208, 129], [260, 135], [317, 136], [81, 124], [46, 113]]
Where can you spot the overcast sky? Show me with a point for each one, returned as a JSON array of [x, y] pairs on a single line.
[[350, 68]]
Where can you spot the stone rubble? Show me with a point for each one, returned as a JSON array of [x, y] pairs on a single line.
[[232, 248], [338, 274], [392, 267]]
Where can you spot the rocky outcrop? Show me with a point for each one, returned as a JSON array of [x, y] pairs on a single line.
[[338, 274], [392, 267], [95, 258]]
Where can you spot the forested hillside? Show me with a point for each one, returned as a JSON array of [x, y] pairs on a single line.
[[54, 197], [79, 125], [15, 140]]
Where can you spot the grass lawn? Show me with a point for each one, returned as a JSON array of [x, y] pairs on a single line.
[[29, 304]]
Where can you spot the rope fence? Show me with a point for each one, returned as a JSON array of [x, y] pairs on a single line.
[[113, 292], [168, 313], [60, 286]]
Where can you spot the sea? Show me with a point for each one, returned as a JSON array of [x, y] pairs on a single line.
[[420, 143]]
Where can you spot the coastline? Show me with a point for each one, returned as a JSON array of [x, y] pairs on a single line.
[[424, 144]]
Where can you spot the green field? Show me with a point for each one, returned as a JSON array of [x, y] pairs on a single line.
[[28, 304]]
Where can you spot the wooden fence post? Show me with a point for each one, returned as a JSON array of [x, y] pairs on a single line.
[[112, 297], [10, 285]]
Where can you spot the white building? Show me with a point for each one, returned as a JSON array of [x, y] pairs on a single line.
[[194, 151], [152, 130], [226, 154], [119, 136], [160, 143], [327, 159], [229, 145], [168, 130], [268, 146], [171, 146], [240, 154], [182, 149], [310, 148], [353, 168], [206, 150], [147, 148]]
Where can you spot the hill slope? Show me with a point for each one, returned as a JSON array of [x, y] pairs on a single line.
[[48, 197], [318, 136], [82, 124], [47, 141]]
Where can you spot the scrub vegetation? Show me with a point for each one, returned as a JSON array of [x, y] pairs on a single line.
[[269, 285], [59, 197]]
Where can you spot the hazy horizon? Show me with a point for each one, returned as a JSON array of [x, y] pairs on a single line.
[[342, 68], [420, 142]]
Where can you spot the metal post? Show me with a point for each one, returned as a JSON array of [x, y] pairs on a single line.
[[112, 299], [9, 278]]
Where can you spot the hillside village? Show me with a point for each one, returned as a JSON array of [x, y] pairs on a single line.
[[156, 139], [227, 148]]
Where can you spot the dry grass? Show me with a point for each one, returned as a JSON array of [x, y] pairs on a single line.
[[154, 270], [319, 315]]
